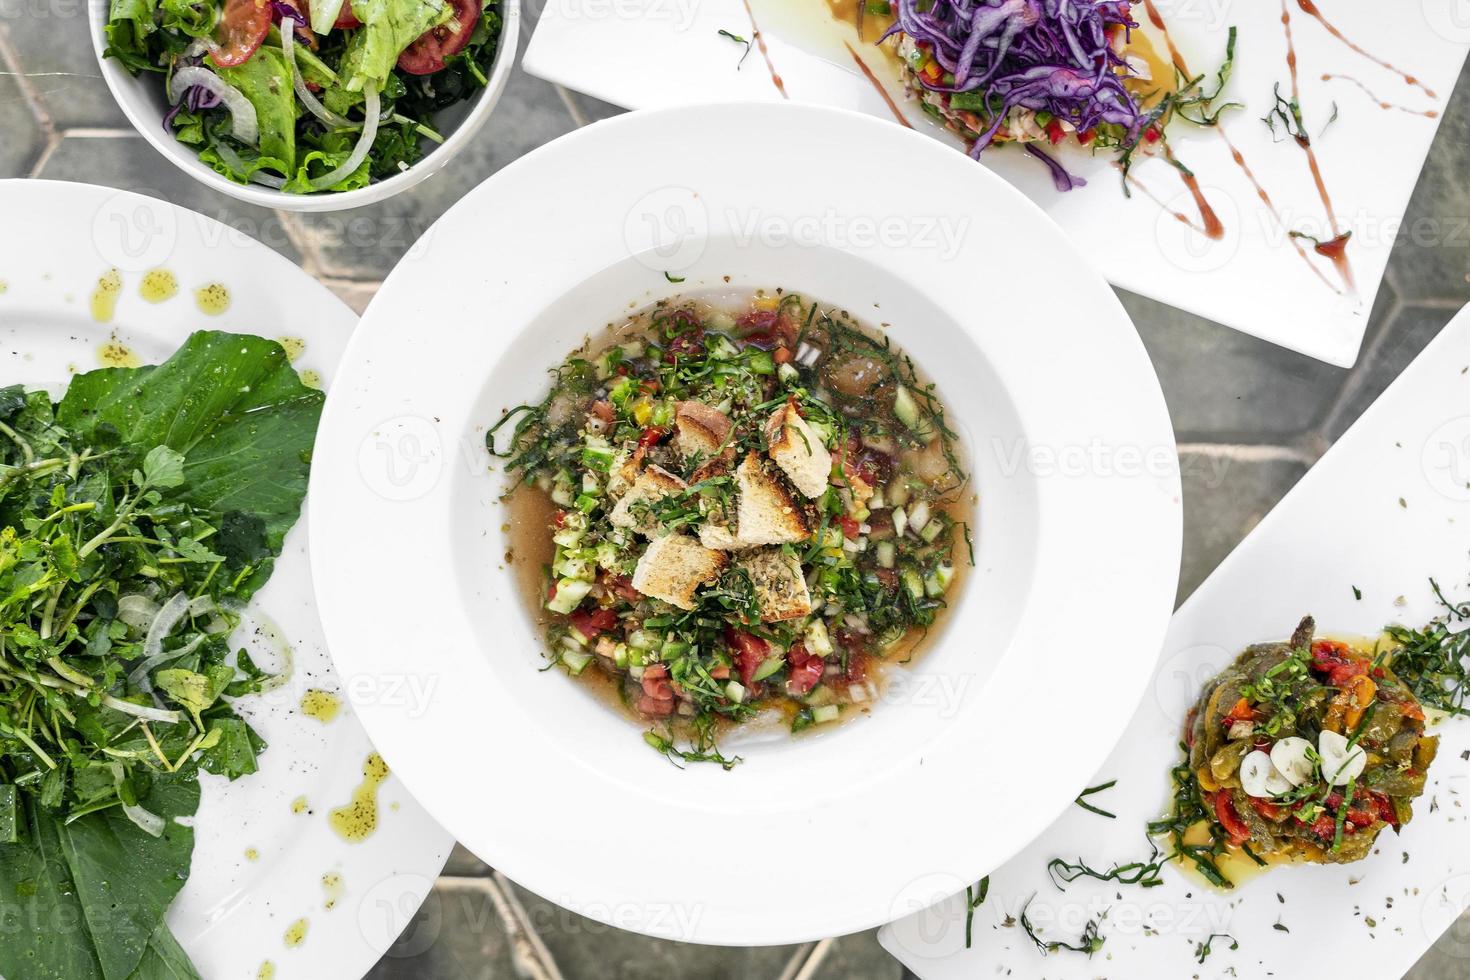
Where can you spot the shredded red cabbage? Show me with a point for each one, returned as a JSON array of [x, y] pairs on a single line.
[[1043, 55]]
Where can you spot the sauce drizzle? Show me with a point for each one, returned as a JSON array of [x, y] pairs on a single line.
[[1383, 104], [873, 79], [760, 40], [1309, 7]]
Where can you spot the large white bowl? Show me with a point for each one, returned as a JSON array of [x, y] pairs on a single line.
[[145, 104], [986, 738]]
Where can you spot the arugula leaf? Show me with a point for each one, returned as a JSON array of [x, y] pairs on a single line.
[[231, 748]]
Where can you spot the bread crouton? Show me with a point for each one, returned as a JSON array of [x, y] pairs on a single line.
[[652, 485], [780, 588], [766, 512], [674, 566], [701, 430], [798, 450]]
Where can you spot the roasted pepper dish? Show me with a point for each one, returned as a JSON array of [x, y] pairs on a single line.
[[1305, 751], [740, 508]]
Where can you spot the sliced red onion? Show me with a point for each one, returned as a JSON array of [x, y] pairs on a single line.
[[232, 158], [243, 124], [360, 151], [307, 97]]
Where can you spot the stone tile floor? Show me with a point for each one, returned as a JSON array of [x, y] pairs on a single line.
[[1250, 418]]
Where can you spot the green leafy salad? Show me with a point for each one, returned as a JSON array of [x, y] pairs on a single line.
[[328, 96], [140, 512]]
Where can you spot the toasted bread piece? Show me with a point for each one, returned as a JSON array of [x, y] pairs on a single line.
[[674, 566], [780, 588], [652, 484], [702, 431], [765, 513], [798, 450]]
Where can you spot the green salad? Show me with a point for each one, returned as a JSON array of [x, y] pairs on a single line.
[[137, 515], [330, 96]]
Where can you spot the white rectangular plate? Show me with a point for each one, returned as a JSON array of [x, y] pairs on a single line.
[[1386, 508], [647, 53]]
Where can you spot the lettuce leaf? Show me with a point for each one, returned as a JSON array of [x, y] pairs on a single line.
[[265, 80], [388, 27]]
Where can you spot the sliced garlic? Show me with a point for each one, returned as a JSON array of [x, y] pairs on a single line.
[[1259, 778], [1340, 764], [1292, 758]]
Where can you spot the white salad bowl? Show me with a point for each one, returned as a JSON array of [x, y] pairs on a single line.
[[977, 744], [145, 103]]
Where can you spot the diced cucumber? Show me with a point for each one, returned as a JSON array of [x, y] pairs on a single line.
[[887, 553], [585, 502], [908, 411], [825, 713], [568, 537], [575, 660], [900, 521], [787, 373], [620, 656], [644, 640], [768, 667], [875, 502], [597, 453], [933, 529], [721, 349], [897, 493], [913, 582], [561, 495], [919, 516], [945, 575], [569, 595], [761, 362], [735, 692], [818, 642]]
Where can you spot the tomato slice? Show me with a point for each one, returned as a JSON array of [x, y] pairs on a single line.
[[750, 653], [426, 55], [806, 670], [242, 28], [593, 623], [347, 20]]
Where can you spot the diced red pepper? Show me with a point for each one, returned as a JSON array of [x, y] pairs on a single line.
[[805, 670], [1338, 661], [750, 652], [592, 623], [1266, 808], [781, 355], [651, 436], [1152, 134], [850, 527], [1055, 132], [1229, 819], [1240, 711], [621, 586], [1086, 136]]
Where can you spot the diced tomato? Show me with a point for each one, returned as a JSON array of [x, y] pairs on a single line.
[[1085, 136], [1055, 132], [1240, 711], [603, 410], [559, 519], [347, 20], [656, 707], [781, 355], [242, 28], [750, 652], [426, 55], [551, 591], [1266, 808], [655, 682], [805, 670], [651, 436], [592, 623], [1338, 661], [1324, 828], [850, 527], [720, 672], [1383, 807], [622, 587], [1229, 819], [1152, 134]]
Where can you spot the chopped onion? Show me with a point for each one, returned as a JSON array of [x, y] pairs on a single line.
[[137, 611], [163, 624], [307, 97], [360, 151], [243, 124], [139, 674], [232, 158]]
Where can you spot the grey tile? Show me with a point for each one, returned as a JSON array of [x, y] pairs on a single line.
[[1226, 493], [131, 164], [367, 242], [1223, 385], [458, 934], [857, 957], [1403, 336], [585, 948], [23, 138], [463, 864], [1449, 958], [54, 46], [1431, 259]]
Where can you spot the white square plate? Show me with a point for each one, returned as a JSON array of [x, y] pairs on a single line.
[[1383, 511], [648, 53]]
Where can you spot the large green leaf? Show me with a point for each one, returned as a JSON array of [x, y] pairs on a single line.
[[235, 408], [89, 898]]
